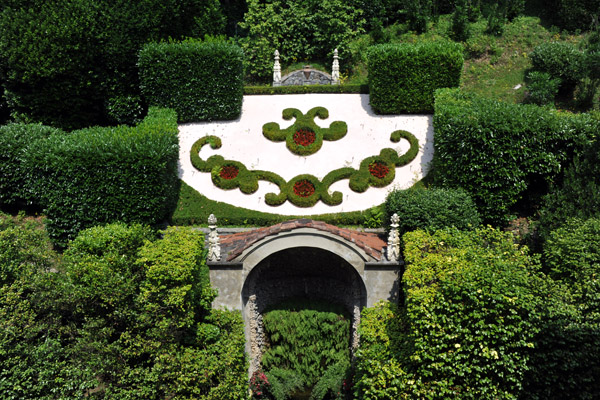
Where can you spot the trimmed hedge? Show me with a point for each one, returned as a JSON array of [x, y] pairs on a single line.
[[473, 304], [14, 140], [434, 208], [264, 90], [404, 77], [498, 151], [99, 175], [201, 81]]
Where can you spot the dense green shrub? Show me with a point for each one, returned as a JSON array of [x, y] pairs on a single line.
[[307, 345], [433, 209], [403, 78], [561, 60], [124, 316], [577, 195], [100, 175], [201, 81], [574, 15], [300, 30], [471, 311], [498, 151], [63, 61], [459, 30], [542, 88], [567, 361], [14, 139], [378, 371]]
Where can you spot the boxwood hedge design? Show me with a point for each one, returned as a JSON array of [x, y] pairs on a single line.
[[304, 190], [403, 77], [305, 124], [201, 81]]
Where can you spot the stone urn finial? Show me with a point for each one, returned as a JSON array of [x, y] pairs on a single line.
[[276, 70], [214, 245], [335, 69], [393, 247]]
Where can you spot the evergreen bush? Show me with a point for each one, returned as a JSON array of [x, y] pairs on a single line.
[[308, 346], [433, 209], [100, 175], [577, 195], [403, 78], [561, 60], [542, 87], [14, 140], [498, 152], [200, 81]]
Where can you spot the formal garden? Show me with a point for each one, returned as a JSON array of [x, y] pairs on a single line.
[[475, 121]]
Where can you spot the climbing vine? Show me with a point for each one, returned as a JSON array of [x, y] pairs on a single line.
[[304, 137], [305, 190]]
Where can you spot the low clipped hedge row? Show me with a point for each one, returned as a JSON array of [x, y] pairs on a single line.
[[266, 90], [14, 140], [500, 152], [200, 81], [404, 77], [99, 175]]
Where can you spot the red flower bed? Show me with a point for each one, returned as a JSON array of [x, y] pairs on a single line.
[[229, 172], [378, 169], [304, 188], [304, 137]]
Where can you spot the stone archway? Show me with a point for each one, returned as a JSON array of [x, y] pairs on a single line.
[[347, 267], [307, 273]]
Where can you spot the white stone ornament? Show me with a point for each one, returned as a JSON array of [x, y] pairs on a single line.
[[276, 70], [393, 247], [335, 69], [214, 245]]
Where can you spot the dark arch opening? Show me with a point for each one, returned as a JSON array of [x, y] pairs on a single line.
[[304, 273]]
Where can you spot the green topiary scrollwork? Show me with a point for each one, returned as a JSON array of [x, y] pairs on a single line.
[[305, 190], [305, 123]]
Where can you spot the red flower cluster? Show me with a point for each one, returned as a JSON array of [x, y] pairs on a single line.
[[304, 188], [304, 137], [229, 172], [378, 169], [259, 385]]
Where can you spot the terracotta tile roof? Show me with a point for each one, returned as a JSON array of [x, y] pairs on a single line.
[[235, 244]]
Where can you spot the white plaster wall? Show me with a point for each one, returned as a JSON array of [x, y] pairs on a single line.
[[367, 135]]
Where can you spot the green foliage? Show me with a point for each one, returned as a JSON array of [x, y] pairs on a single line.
[[460, 22], [433, 209], [418, 14], [14, 140], [567, 360], [314, 189], [194, 209], [336, 130], [66, 62], [561, 60], [572, 251], [542, 88], [299, 30], [495, 21], [200, 81], [309, 341], [403, 78], [124, 316], [100, 175], [577, 195], [472, 310], [574, 15], [262, 90], [378, 372], [497, 151]]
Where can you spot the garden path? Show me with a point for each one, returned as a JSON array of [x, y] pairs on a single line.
[[243, 141]]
